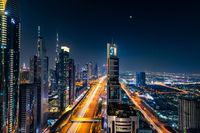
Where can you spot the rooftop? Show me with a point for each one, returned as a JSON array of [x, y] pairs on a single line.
[[120, 110]]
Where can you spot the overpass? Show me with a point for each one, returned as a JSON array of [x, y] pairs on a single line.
[[86, 120]]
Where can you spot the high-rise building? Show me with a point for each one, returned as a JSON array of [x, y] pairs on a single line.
[[84, 75], [90, 70], [140, 79], [95, 71], [52, 80], [113, 90], [33, 69], [24, 74], [62, 78], [120, 117], [66, 78], [78, 73], [189, 114], [42, 74], [71, 80], [9, 66], [57, 49], [39, 75], [26, 108]]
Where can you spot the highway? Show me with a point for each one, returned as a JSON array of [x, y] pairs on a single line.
[[150, 117], [86, 109], [174, 88]]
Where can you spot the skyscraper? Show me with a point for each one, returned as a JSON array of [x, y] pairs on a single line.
[[57, 48], [66, 78], [113, 90], [62, 78], [140, 79], [24, 74], [84, 75], [42, 74], [78, 73], [26, 108], [120, 117], [96, 71], [189, 114], [71, 80], [90, 70], [9, 66], [39, 64]]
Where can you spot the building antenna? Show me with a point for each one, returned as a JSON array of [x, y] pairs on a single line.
[[38, 31]]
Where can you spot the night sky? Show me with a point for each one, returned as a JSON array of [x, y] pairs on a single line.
[[151, 35]]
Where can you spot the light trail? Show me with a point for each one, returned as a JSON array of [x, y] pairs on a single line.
[[147, 114], [75, 126]]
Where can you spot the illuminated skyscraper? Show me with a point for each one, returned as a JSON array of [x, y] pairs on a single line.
[[120, 117], [26, 108], [66, 78], [113, 90], [90, 70], [71, 80], [9, 66], [24, 74], [57, 48], [42, 78], [78, 73], [39, 66], [96, 71]]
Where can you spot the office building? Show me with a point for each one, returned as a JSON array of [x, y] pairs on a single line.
[[9, 66], [24, 74], [189, 114], [84, 75], [96, 71], [90, 70], [140, 79], [57, 49], [52, 80], [78, 72], [42, 67], [39, 64], [113, 90], [26, 108], [122, 118], [71, 80], [66, 78]]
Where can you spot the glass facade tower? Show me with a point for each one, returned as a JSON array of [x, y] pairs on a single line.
[[113, 89], [9, 67]]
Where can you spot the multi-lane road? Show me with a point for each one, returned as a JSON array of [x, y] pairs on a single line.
[[148, 114], [86, 109]]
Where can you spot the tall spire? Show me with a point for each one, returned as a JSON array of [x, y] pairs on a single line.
[[57, 48], [38, 31]]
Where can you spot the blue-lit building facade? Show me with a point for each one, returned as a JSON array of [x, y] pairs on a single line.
[[140, 79]]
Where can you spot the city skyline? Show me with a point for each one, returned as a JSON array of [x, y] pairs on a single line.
[[151, 36], [73, 83]]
